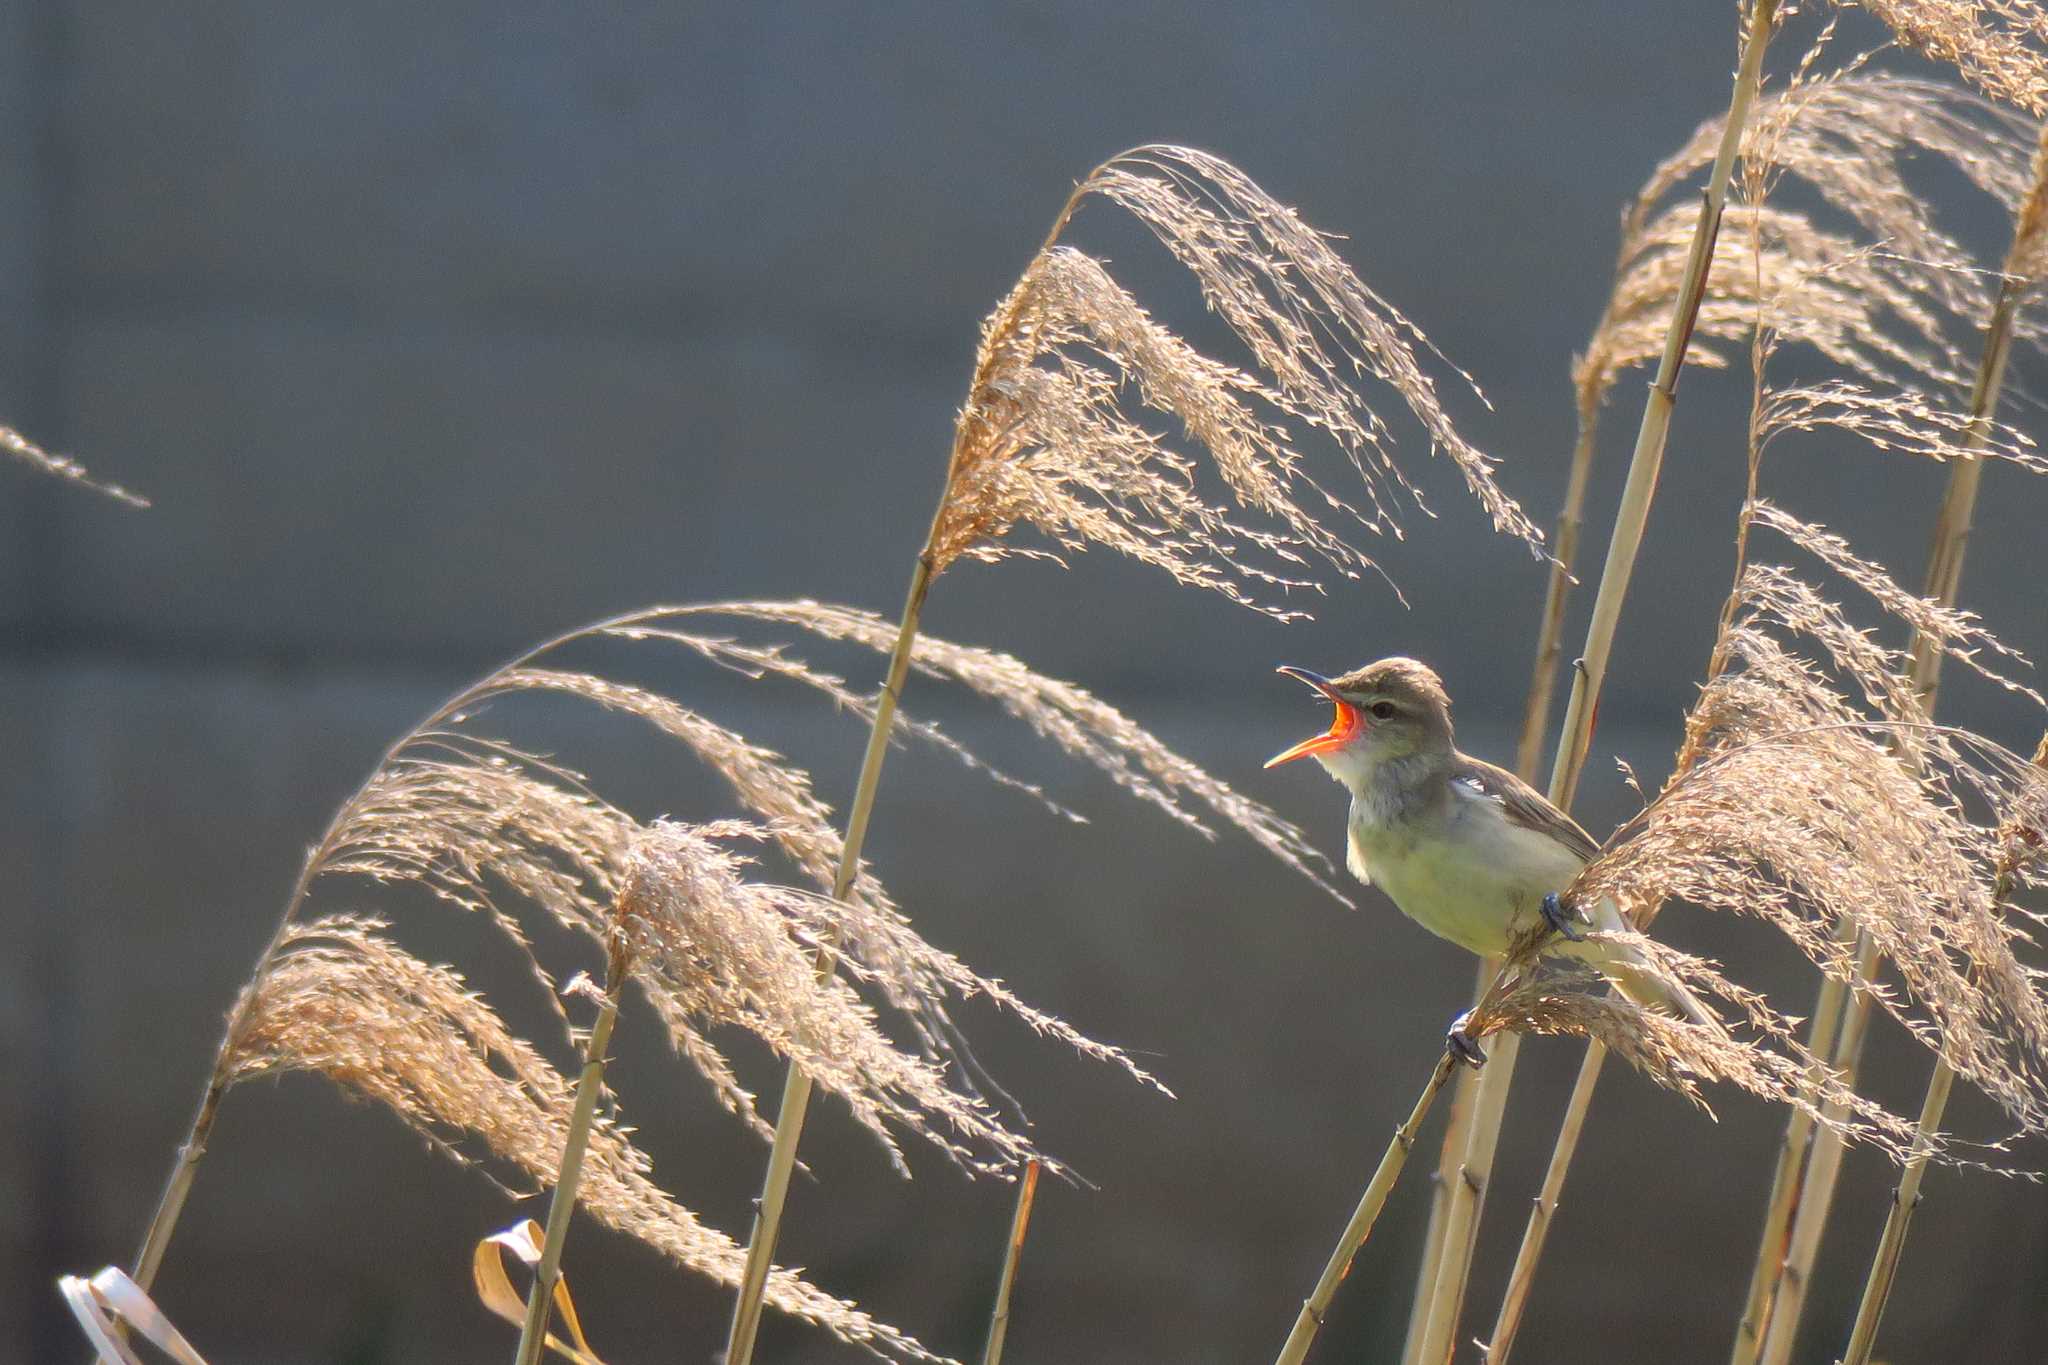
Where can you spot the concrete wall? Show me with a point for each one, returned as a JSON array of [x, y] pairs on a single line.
[[435, 329]]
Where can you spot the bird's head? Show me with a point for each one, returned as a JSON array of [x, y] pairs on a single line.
[[1390, 710]]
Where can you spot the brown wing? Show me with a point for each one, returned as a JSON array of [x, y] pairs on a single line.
[[1525, 806]]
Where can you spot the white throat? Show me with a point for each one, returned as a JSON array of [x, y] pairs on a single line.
[[1386, 790]]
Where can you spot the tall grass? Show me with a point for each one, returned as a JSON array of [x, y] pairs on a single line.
[[1812, 793], [1799, 1211], [1875, 313], [1044, 440], [1461, 1218], [1052, 438], [492, 829]]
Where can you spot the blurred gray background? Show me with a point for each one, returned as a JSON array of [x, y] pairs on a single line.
[[435, 329]]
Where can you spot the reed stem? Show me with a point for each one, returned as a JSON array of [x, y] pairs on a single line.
[[1891, 1244], [1550, 636], [1448, 1159], [1787, 1174], [1812, 1196], [1528, 756], [1516, 1299], [540, 1299], [1814, 1191], [1020, 1225], [1310, 1319], [156, 1239], [1884, 1267], [796, 1086], [1581, 712]]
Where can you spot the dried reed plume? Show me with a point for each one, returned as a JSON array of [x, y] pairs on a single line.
[[1047, 437], [1999, 46], [63, 467], [1539, 996], [1805, 815], [469, 816], [1806, 823], [2021, 836], [491, 828], [1072, 719], [1876, 297], [711, 948], [342, 1001]]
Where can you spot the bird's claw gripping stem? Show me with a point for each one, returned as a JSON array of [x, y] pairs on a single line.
[[1560, 919], [1462, 1045]]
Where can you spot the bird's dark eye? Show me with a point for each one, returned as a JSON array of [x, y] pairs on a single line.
[[1383, 710]]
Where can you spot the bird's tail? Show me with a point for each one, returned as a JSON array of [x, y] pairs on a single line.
[[1635, 978], [1655, 992]]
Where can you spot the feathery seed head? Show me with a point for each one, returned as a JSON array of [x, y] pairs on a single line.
[[1048, 435]]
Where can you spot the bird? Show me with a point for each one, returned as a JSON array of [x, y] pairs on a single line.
[[1467, 850]]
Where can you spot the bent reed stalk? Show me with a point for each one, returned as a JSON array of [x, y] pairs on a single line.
[[1043, 440], [1528, 757], [1796, 1215], [1467, 1193], [796, 1086], [1295, 1349], [1891, 1243], [1013, 1251], [540, 1298]]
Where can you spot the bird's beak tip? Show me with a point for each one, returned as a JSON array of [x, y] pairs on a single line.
[[1343, 726]]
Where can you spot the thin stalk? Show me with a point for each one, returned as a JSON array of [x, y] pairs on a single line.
[[1787, 1175], [1468, 1197], [1310, 1319], [796, 1086], [1884, 1267], [1528, 756], [1020, 1225], [1449, 1157], [1815, 1189], [1891, 1244], [1550, 635], [1814, 1194], [171, 1203], [540, 1299], [1524, 1273], [1575, 740]]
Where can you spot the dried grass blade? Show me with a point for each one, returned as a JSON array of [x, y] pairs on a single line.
[[109, 1305], [63, 467], [494, 1288]]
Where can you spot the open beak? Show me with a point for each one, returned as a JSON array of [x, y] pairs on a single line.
[[1343, 728]]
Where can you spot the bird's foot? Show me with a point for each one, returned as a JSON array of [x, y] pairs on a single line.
[[1561, 919], [1462, 1045]]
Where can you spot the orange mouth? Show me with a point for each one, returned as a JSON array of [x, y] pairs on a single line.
[[1344, 727]]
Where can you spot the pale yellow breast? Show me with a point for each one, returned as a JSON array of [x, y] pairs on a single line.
[[1469, 876]]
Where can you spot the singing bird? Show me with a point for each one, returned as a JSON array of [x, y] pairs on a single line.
[[1469, 851]]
